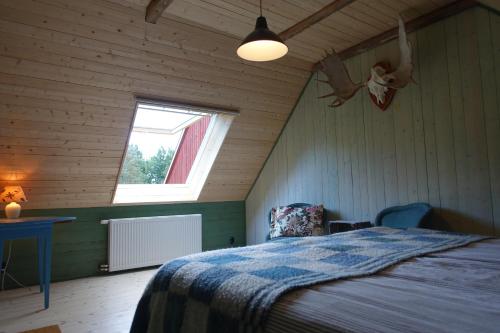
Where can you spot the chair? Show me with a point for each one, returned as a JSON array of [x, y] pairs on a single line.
[[408, 216]]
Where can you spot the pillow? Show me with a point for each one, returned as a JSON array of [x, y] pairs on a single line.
[[289, 221]]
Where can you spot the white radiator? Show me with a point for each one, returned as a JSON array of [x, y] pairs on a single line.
[[149, 241]]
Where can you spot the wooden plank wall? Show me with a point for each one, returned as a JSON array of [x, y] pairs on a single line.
[[69, 71], [80, 247], [438, 142]]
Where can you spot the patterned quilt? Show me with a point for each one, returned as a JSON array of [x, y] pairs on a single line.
[[232, 290]]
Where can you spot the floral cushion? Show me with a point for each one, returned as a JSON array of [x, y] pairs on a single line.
[[293, 221]]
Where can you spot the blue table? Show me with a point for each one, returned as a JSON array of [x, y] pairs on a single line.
[[41, 229]]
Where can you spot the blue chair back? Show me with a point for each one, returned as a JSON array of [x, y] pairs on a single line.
[[408, 216]]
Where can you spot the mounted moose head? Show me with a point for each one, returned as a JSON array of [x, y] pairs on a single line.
[[338, 79], [380, 82]]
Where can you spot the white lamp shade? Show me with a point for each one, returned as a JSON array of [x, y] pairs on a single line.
[[262, 50]]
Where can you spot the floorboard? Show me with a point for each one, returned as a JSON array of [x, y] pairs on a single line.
[[96, 304]]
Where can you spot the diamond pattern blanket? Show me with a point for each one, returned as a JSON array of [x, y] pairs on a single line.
[[232, 290]]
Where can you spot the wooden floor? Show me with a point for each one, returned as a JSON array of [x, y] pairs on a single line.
[[97, 304]]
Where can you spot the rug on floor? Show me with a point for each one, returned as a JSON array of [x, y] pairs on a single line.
[[47, 329]]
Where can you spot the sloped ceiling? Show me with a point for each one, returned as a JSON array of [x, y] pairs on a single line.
[[353, 24], [70, 70]]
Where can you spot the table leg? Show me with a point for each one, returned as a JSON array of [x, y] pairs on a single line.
[[1, 258], [48, 263], [41, 259]]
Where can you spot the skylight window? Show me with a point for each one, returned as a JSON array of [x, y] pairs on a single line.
[[163, 120], [170, 151]]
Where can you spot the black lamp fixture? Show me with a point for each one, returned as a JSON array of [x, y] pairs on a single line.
[[262, 44]]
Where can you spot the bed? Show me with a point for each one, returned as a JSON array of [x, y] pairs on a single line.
[[411, 280]]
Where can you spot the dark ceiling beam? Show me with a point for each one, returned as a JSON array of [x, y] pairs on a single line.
[[155, 9], [491, 4], [314, 18], [413, 25]]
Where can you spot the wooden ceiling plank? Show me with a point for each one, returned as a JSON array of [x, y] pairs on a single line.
[[58, 91], [314, 18], [166, 64], [37, 150], [204, 46], [316, 34], [364, 17], [77, 58], [22, 113], [40, 141], [70, 109], [337, 24], [179, 88], [238, 18], [356, 29], [64, 136], [35, 92], [155, 9], [101, 182], [50, 177], [309, 45], [238, 24], [411, 26]]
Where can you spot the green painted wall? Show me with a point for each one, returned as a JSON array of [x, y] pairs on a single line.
[[438, 142], [80, 247]]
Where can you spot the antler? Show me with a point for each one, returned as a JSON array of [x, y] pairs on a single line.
[[338, 79], [403, 74]]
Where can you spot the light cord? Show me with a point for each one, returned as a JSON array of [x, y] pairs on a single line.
[[4, 271]]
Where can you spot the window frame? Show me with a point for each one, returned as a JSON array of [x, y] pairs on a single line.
[[220, 123]]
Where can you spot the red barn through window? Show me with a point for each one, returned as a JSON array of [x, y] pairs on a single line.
[[186, 152]]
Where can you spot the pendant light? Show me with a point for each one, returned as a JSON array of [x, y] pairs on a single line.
[[262, 44]]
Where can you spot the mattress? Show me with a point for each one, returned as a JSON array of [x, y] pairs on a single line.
[[452, 291]]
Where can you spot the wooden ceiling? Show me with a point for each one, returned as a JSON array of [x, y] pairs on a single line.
[[360, 20], [70, 70]]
